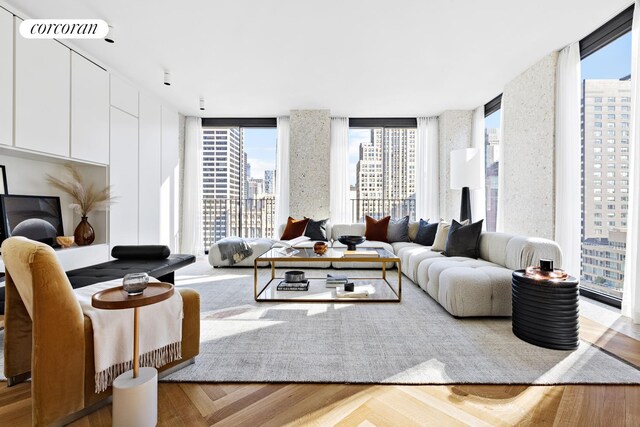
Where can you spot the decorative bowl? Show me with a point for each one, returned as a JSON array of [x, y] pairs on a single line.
[[65, 241], [351, 241], [320, 248], [135, 283], [294, 276]]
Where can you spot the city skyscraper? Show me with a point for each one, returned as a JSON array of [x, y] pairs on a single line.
[[270, 182], [223, 174], [606, 119], [385, 172]]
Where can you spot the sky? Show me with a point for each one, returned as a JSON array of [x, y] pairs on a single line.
[[260, 146], [611, 62]]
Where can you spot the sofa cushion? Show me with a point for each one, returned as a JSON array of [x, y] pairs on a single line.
[[413, 229], [426, 233], [416, 258], [317, 230], [493, 247], [294, 228], [398, 246], [522, 252], [338, 230], [463, 240], [258, 247], [398, 230], [376, 229]]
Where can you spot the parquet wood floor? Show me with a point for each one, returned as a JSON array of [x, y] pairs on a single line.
[[190, 404]]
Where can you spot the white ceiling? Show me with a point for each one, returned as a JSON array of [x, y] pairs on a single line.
[[359, 58]]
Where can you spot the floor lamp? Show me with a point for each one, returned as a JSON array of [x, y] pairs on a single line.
[[466, 174]]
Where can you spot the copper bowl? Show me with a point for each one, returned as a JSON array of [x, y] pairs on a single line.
[[320, 248], [65, 241]]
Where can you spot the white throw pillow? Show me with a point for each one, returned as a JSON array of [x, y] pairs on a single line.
[[440, 242]]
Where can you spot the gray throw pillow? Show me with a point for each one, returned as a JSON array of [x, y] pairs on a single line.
[[463, 240], [398, 230], [426, 233]]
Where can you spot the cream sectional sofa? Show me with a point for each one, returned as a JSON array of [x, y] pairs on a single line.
[[463, 286]]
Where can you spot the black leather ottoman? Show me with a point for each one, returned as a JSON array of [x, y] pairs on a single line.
[[545, 312]]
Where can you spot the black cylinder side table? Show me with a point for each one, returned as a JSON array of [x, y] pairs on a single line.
[[545, 312]]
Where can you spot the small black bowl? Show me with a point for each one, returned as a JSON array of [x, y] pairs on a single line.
[[351, 241], [294, 276]]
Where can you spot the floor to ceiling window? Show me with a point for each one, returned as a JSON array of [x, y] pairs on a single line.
[[238, 175], [493, 114], [382, 170], [606, 120]]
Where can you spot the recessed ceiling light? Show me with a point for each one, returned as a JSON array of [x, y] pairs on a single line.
[[202, 104], [110, 37], [167, 78]]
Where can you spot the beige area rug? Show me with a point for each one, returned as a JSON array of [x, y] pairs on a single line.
[[413, 342]]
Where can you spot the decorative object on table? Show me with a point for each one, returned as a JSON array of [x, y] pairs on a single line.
[[545, 307], [65, 241], [356, 293], [320, 248], [294, 276], [135, 283], [348, 287], [351, 241], [371, 253], [85, 199], [336, 280], [37, 218], [466, 173], [293, 286], [376, 230], [3, 181]]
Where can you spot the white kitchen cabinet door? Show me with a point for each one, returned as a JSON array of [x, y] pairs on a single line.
[[89, 111], [42, 96], [123, 177], [6, 77]]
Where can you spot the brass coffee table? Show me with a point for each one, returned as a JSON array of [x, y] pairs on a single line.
[[380, 289]]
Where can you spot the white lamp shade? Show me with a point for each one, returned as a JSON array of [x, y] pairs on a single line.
[[466, 168]]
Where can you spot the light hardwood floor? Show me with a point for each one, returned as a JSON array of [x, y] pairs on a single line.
[[190, 404]]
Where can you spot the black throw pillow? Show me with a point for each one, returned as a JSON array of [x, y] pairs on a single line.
[[317, 230], [426, 233], [140, 252], [463, 240]]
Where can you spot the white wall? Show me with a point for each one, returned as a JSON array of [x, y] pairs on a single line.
[[150, 170], [170, 180]]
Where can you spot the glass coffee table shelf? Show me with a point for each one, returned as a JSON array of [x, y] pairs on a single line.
[[380, 289]]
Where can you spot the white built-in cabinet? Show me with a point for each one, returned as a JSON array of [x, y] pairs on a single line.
[[42, 94], [170, 185], [150, 164], [124, 95], [123, 177], [6, 77], [89, 111]]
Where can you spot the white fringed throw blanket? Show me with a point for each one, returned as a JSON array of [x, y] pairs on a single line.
[[160, 334]]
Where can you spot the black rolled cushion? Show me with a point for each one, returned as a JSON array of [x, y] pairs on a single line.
[[426, 233], [463, 240], [140, 252], [317, 230]]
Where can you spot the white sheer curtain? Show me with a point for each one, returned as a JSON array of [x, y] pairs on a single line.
[[478, 196], [631, 289], [499, 156], [191, 239], [282, 175], [568, 158], [427, 169], [339, 203]]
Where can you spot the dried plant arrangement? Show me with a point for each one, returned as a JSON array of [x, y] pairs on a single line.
[[86, 198]]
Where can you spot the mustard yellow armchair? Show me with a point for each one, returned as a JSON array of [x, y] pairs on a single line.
[[48, 338]]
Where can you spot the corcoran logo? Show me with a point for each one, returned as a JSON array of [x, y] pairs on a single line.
[[64, 29]]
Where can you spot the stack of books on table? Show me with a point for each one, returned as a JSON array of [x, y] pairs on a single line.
[[336, 280], [363, 253], [293, 286]]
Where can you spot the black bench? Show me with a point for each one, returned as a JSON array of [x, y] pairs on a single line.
[[161, 269]]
